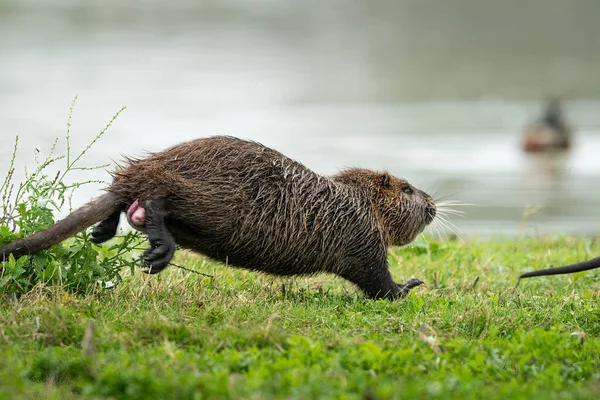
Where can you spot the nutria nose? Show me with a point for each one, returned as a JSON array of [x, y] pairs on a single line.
[[430, 213]]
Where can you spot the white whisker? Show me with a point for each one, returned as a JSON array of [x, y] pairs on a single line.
[[453, 203], [444, 211], [449, 226]]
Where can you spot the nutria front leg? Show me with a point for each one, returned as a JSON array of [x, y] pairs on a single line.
[[107, 228], [377, 282], [158, 256]]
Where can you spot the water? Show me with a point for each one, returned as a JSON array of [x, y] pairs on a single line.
[[436, 92]]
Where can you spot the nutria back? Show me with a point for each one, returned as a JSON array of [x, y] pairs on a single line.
[[242, 203]]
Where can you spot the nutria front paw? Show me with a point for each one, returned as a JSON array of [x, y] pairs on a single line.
[[412, 283]]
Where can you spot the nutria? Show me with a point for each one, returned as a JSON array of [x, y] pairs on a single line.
[[250, 206], [567, 269], [550, 133]]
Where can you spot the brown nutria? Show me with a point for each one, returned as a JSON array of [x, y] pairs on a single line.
[[567, 269], [250, 206], [549, 133]]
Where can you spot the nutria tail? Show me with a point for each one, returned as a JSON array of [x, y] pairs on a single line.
[[567, 269], [104, 208]]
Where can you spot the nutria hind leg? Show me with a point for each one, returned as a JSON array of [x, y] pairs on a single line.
[[377, 282], [158, 256], [107, 228]]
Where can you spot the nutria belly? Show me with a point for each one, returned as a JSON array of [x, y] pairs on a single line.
[[271, 246]]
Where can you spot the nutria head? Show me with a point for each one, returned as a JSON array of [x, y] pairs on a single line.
[[402, 210]]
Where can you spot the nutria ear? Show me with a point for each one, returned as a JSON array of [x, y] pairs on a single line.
[[385, 180]]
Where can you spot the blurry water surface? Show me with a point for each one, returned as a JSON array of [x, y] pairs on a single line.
[[436, 92]]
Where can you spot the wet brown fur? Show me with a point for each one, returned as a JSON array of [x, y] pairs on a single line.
[[248, 205]]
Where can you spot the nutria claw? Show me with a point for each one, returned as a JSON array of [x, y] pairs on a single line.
[[412, 283]]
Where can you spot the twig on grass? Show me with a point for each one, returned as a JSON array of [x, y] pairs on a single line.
[[191, 270]]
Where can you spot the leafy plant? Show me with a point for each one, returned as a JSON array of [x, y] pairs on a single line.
[[79, 266]]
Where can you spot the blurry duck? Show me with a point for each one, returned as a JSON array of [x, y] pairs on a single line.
[[548, 134]]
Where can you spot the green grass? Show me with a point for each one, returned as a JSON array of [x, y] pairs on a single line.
[[238, 334]]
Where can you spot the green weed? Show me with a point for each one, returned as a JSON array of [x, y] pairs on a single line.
[[30, 207]]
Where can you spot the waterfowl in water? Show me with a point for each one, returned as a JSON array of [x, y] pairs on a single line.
[[549, 133]]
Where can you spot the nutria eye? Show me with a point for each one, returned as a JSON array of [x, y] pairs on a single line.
[[408, 190]]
